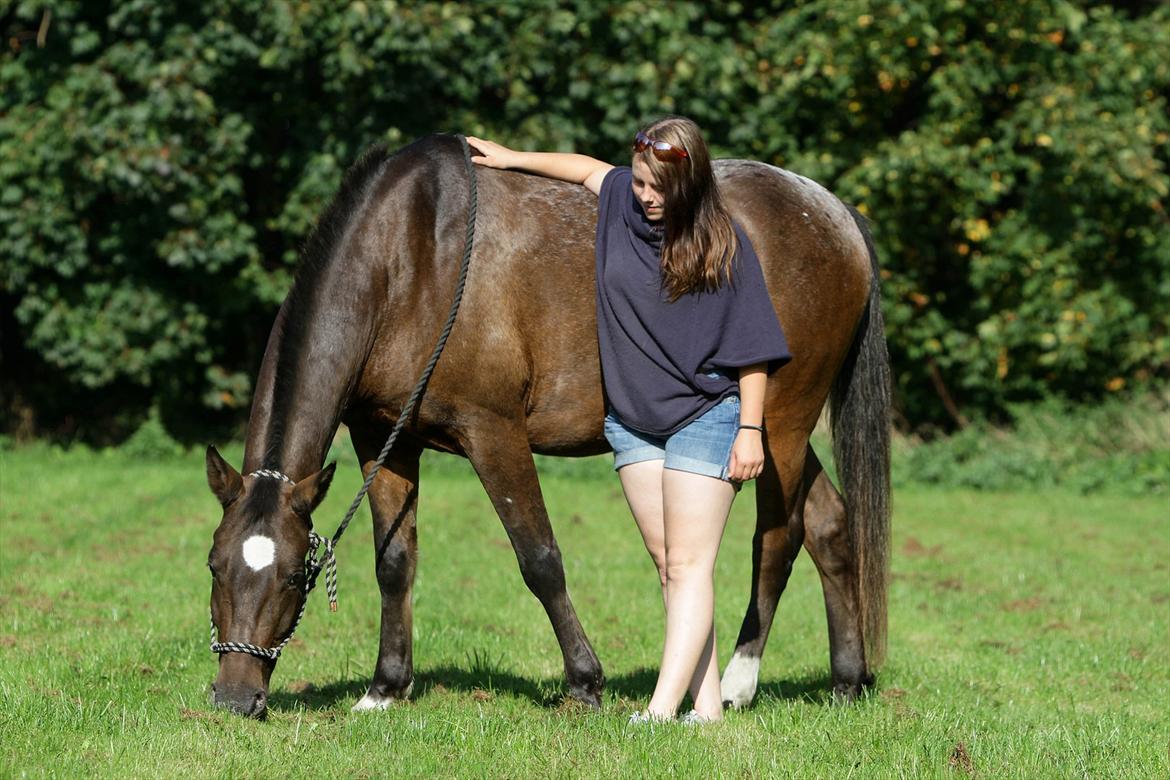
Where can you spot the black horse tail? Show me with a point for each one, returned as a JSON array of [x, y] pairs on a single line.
[[859, 405]]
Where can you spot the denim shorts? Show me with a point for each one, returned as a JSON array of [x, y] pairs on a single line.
[[703, 446]]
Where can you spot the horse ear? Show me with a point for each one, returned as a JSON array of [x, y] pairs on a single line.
[[225, 482], [310, 491]]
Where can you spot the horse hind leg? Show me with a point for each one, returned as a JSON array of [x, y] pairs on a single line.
[[828, 542], [393, 499], [503, 461], [777, 541], [818, 519]]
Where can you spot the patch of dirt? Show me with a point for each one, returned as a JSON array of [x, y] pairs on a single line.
[[903, 711], [915, 549], [299, 687], [960, 759], [576, 520], [890, 694], [438, 689], [479, 694], [1059, 625], [40, 604], [189, 714], [1135, 653], [1122, 682], [1010, 649], [1160, 598], [951, 583], [7, 641], [1030, 604], [145, 670], [570, 706]]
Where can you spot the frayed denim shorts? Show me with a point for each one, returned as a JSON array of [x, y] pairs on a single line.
[[703, 446]]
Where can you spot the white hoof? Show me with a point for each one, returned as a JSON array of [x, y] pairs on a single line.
[[372, 703], [738, 685]]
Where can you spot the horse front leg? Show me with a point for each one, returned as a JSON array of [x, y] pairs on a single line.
[[393, 499], [780, 494], [502, 459]]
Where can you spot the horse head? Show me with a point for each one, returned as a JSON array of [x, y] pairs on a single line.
[[261, 572]]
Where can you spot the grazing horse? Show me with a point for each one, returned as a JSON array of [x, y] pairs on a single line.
[[521, 374]]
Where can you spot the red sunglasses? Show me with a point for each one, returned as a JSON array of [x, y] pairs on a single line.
[[662, 150]]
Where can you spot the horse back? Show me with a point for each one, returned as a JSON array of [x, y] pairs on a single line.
[[524, 348]]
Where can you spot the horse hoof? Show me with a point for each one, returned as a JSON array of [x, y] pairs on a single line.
[[371, 703], [740, 678], [590, 697], [374, 702], [846, 693]]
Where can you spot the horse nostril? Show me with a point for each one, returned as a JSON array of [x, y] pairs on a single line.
[[259, 704]]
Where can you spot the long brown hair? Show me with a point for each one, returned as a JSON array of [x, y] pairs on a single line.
[[699, 243]]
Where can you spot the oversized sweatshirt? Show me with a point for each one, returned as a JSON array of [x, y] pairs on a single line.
[[665, 363]]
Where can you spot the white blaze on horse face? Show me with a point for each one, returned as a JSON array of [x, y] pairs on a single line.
[[259, 552]]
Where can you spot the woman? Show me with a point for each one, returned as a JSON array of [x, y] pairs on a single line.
[[686, 334]]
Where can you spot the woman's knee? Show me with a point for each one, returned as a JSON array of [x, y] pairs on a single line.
[[682, 569], [659, 558]]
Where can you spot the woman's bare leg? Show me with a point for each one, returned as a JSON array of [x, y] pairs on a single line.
[[642, 484], [705, 685], [695, 510]]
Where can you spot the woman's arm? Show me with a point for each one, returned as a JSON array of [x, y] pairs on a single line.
[[575, 168], [747, 454]]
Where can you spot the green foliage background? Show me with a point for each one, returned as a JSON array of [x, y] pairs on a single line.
[[161, 162]]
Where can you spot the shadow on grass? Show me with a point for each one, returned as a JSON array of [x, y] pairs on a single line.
[[550, 693], [813, 688]]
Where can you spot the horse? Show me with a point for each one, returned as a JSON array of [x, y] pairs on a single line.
[[521, 375]]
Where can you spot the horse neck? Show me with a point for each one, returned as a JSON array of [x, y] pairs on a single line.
[[314, 357]]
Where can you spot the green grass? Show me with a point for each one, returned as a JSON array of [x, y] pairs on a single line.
[[1028, 638]]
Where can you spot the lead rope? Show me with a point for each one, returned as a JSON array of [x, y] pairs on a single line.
[[327, 560], [468, 243]]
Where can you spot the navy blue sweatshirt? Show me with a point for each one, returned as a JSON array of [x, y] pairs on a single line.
[[663, 364]]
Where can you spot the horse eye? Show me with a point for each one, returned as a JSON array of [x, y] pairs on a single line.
[[211, 569], [294, 579]]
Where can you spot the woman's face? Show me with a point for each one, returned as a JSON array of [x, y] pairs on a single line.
[[647, 190]]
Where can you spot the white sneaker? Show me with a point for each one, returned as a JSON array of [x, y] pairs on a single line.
[[639, 717], [693, 718]]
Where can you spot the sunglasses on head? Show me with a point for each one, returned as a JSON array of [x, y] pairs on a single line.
[[662, 150]]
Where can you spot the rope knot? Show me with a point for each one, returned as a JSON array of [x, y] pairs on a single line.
[[327, 560]]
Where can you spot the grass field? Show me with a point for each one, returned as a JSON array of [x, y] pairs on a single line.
[[1029, 637]]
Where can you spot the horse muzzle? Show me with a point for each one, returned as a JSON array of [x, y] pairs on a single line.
[[241, 699]]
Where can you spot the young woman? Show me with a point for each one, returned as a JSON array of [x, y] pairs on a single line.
[[686, 334]]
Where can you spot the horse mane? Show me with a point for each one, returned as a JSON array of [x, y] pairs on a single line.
[[262, 501], [316, 256]]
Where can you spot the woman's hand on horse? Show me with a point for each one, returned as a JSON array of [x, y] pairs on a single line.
[[747, 456], [494, 155]]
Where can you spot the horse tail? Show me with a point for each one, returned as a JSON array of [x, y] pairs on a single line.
[[859, 405]]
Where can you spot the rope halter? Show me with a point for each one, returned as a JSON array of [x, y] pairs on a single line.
[[320, 556], [314, 562]]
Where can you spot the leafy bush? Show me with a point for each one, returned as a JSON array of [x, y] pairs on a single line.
[[1118, 447], [161, 163]]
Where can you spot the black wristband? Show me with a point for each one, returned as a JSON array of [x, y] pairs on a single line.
[[759, 428]]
